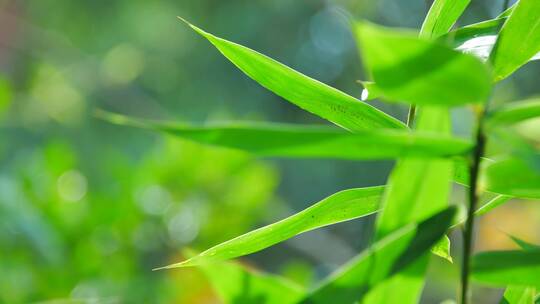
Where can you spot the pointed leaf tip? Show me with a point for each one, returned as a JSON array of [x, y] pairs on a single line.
[[171, 266], [195, 28], [182, 19]]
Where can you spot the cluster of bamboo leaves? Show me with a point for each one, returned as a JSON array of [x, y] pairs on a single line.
[[432, 71]]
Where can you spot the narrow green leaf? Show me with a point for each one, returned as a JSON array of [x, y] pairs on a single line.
[[519, 295], [514, 112], [524, 244], [460, 36], [508, 11], [307, 93], [502, 268], [519, 39], [485, 28], [441, 17], [342, 206], [442, 249], [478, 39], [416, 190], [492, 204], [386, 257], [236, 284], [414, 70], [487, 207], [297, 141], [461, 170], [511, 176]]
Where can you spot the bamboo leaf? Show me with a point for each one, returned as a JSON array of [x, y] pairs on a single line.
[[386, 257], [442, 249], [524, 244], [461, 37], [514, 112], [485, 28], [519, 295], [236, 284], [478, 46], [511, 176], [519, 39], [492, 204], [495, 177], [487, 207], [297, 141], [478, 39], [441, 17], [502, 268], [342, 206], [414, 70], [416, 190], [506, 13], [461, 170], [307, 93]]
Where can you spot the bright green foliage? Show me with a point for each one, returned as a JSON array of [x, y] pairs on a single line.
[[416, 190], [519, 39], [286, 140], [481, 29], [514, 112], [506, 13], [441, 17], [484, 28], [388, 256], [307, 93], [414, 214], [524, 181], [502, 268], [461, 171], [342, 206], [519, 295], [442, 249], [83, 216], [236, 284], [487, 207], [494, 177], [414, 70]]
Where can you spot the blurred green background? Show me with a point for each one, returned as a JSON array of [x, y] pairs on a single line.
[[87, 209]]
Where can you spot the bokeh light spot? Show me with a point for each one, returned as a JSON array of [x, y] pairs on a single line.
[[72, 186], [153, 199], [122, 64]]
